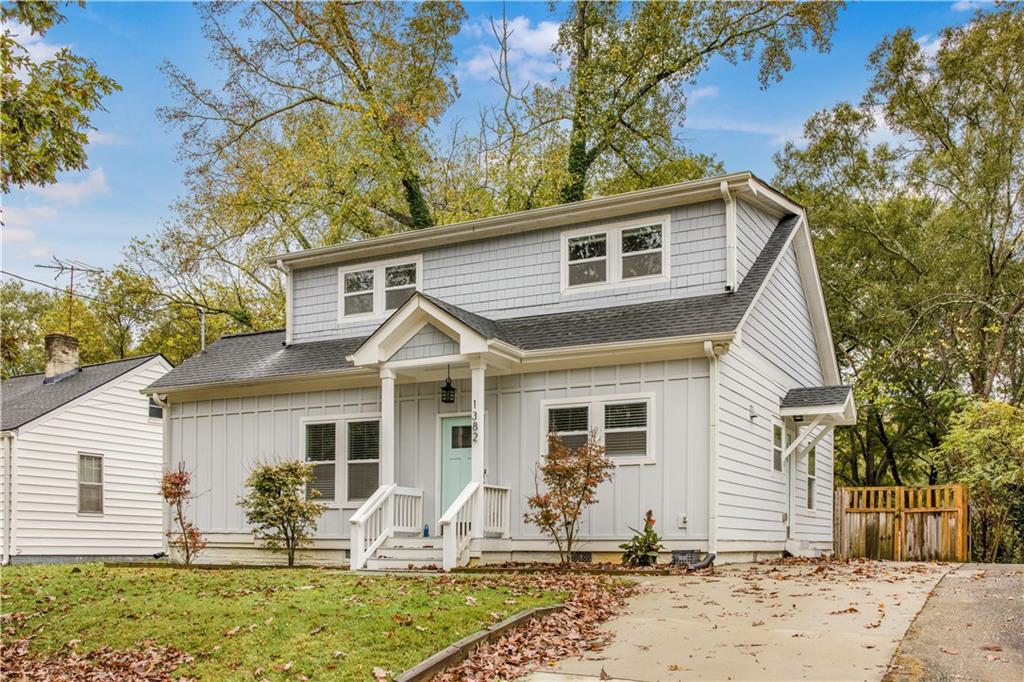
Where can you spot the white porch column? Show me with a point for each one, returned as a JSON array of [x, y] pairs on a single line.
[[387, 426], [477, 369]]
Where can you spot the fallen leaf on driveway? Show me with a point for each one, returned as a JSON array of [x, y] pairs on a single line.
[[991, 647], [948, 651]]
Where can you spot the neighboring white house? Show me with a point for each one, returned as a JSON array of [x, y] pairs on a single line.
[[81, 459], [685, 323]]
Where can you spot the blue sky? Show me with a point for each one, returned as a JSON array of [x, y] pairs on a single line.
[[134, 175]]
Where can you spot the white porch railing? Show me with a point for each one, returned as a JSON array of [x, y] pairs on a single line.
[[457, 527], [391, 509], [496, 510]]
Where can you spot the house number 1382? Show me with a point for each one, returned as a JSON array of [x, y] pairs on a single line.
[[476, 426]]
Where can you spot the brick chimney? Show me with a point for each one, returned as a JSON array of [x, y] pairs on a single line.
[[61, 356]]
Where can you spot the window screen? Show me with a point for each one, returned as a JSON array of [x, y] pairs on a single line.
[[588, 259], [641, 251], [90, 484], [320, 452], [363, 459], [358, 292], [625, 429], [155, 410], [399, 283], [572, 424]]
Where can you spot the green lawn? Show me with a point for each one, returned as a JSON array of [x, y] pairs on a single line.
[[235, 622]]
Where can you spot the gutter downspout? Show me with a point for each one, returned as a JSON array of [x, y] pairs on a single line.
[[8, 475], [288, 302], [165, 442], [712, 351], [730, 236]]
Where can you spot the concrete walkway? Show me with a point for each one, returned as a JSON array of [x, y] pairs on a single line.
[[972, 628], [760, 622]]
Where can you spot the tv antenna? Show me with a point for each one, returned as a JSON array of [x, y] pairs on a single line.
[[66, 265]]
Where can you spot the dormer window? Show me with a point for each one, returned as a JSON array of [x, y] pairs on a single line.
[[620, 254], [372, 290]]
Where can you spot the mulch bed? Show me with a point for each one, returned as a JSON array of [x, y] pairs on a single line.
[[148, 662]]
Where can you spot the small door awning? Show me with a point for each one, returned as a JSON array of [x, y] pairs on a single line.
[[826, 405]]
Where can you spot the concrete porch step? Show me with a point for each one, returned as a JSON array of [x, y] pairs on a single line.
[[413, 542], [411, 553]]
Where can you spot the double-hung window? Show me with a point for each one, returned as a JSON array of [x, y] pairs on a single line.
[[156, 411], [90, 484], [622, 424], [811, 466], [321, 452], [372, 290], [345, 454], [777, 445], [618, 254]]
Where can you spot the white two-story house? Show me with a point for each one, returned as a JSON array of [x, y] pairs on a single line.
[[684, 323]]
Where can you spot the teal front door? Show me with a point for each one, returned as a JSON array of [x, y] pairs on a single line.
[[456, 458]]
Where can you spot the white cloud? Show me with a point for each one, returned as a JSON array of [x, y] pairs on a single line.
[[929, 45], [779, 134], [706, 92], [71, 193], [38, 252], [530, 56], [18, 220], [98, 137], [38, 50], [18, 235], [967, 5]]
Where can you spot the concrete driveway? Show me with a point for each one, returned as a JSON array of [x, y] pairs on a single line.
[[799, 621]]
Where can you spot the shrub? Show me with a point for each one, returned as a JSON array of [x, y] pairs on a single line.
[[571, 477], [174, 487], [985, 450], [281, 514], [643, 548]]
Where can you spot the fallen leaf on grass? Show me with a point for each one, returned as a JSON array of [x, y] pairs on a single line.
[[380, 674]]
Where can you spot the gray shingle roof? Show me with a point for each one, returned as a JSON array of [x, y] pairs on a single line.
[[815, 396], [263, 355], [25, 397]]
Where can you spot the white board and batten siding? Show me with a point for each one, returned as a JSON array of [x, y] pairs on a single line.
[[112, 421], [221, 440], [777, 353]]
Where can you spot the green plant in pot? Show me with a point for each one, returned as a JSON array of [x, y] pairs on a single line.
[[643, 548]]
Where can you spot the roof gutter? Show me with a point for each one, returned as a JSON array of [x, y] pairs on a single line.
[[7, 439], [712, 350], [730, 236], [707, 189]]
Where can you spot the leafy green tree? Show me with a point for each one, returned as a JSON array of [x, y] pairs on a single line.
[[20, 310], [985, 450], [914, 198], [625, 73], [45, 106], [282, 512]]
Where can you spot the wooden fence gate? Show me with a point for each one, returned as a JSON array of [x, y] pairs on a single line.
[[927, 523]]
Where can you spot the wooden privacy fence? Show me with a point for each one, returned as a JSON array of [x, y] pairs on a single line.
[[927, 523]]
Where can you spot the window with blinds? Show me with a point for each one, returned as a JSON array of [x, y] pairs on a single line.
[[625, 430], [90, 484], [571, 424], [363, 463], [321, 453]]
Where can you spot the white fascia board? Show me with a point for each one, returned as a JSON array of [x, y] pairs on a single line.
[[563, 215]]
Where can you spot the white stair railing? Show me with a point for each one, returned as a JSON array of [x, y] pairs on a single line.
[[391, 509], [457, 527], [496, 510]]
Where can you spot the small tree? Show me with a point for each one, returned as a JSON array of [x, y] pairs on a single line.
[[984, 449], [282, 515], [571, 477], [176, 492]]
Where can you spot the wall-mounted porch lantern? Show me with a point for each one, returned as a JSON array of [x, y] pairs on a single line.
[[448, 391]]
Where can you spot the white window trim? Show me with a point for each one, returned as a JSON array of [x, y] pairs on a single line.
[[79, 483], [378, 267], [341, 421], [613, 254], [596, 413]]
